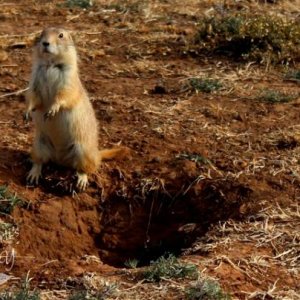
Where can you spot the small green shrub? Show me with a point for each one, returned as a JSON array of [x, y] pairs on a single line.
[[169, 267], [206, 290], [293, 75], [205, 85], [261, 38], [79, 3], [197, 158], [8, 201], [272, 96]]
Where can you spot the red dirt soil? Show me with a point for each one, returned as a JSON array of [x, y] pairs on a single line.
[[141, 207]]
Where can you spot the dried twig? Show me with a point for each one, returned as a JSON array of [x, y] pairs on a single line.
[[14, 93]]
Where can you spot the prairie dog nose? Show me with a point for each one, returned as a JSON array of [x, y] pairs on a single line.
[[46, 44]]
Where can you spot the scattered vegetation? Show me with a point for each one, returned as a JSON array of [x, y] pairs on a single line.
[[125, 6], [7, 231], [261, 38], [131, 263], [79, 3], [205, 85], [93, 295], [169, 267], [272, 96], [206, 290], [23, 293], [8, 200], [85, 295], [79, 295], [294, 75], [197, 158]]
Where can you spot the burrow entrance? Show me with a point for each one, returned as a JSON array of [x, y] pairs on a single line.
[[141, 222], [161, 223]]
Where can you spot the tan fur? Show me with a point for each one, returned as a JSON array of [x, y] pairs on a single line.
[[65, 122]]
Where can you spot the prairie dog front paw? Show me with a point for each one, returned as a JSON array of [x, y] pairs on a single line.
[[54, 109], [82, 181], [27, 116], [34, 174]]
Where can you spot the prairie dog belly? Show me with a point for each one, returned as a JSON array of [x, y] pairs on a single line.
[[69, 131], [58, 129], [47, 81]]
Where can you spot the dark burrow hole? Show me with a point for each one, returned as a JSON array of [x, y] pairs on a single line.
[[158, 223]]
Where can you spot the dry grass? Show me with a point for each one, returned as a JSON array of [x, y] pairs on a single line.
[[158, 34], [269, 228], [23, 293]]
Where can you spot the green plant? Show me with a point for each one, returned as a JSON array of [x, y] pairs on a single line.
[[79, 3], [169, 267], [131, 263], [8, 200], [79, 295], [197, 158], [262, 38], [85, 295], [293, 75], [206, 290], [272, 96], [205, 85], [23, 293]]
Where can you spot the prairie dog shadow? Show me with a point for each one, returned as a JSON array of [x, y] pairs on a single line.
[[15, 165]]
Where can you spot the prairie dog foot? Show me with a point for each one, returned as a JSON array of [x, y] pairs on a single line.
[[82, 181], [34, 174], [27, 116]]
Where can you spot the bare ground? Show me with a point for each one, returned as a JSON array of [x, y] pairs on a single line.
[[213, 177]]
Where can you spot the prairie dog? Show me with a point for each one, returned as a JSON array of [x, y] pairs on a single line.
[[66, 130]]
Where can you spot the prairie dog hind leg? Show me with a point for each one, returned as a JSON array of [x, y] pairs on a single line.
[[41, 153]]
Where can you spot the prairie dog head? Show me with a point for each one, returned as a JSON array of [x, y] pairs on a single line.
[[56, 45]]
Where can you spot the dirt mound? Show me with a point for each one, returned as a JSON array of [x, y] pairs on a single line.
[[153, 217]]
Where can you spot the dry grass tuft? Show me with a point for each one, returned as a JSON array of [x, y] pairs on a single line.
[[24, 293], [274, 227]]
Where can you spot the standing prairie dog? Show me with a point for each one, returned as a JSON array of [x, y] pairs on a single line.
[[65, 122]]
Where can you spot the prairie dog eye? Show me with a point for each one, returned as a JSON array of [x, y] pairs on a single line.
[[61, 35]]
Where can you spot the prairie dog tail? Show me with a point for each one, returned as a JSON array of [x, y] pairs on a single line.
[[119, 152]]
